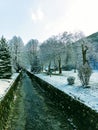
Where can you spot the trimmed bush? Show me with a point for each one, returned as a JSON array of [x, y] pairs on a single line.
[[84, 73], [71, 80]]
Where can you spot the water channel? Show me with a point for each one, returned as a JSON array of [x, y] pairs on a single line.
[[33, 110]]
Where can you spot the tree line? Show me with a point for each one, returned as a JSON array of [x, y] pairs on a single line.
[[60, 52]]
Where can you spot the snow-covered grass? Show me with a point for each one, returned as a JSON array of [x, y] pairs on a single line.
[[88, 96], [5, 85]]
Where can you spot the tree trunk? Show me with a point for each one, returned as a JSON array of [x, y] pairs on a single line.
[[55, 66], [84, 52], [42, 67], [75, 69], [60, 68], [49, 68]]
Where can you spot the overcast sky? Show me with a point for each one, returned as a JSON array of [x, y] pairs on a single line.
[[39, 19]]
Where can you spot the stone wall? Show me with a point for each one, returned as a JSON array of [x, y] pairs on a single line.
[[5, 103], [84, 117]]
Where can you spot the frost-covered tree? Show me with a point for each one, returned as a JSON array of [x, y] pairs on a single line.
[[93, 50], [59, 51], [78, 35], [45, 52], [84, 70], [16, 46], [84, 73], [36, 67], [5, 59], [71, 49], [45, 55], [31, 49], [51, 52]]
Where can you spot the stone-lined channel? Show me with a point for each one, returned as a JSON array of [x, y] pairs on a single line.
[[33, 110]]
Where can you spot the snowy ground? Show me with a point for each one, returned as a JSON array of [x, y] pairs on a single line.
[[88, 96], [5, 85]]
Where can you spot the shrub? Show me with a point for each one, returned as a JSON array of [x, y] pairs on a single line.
[[84, 73], [71, 80]]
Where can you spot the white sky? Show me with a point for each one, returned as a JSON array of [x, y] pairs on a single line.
[[39, 19]]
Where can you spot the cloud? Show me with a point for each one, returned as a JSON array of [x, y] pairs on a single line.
[[38, 15]]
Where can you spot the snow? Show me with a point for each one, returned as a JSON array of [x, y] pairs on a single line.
[[5, 85], [88, 96]]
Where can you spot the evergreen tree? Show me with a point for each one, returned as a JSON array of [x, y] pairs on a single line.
[[5, 63]]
